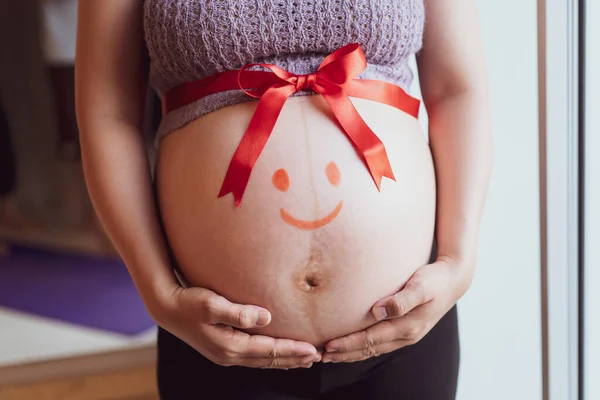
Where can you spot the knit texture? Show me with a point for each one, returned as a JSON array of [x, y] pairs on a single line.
[[191, 39]]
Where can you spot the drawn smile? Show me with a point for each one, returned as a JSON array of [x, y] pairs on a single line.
[[281, 181], [311, 225]]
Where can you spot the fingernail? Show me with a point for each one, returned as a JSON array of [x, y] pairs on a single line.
[[307, 365], [380, 313], [263, 318], [332, 350]]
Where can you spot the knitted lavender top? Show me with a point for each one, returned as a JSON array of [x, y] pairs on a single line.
[[191, 39]]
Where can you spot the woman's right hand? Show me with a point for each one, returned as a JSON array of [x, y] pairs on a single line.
[[211, 325]]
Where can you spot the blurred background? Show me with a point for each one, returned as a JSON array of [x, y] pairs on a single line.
[[73, 327], [64, 293]]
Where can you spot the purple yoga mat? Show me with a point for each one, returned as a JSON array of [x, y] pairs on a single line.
[[90, 291]]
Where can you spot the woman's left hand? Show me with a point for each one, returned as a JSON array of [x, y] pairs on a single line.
[[406, 317]]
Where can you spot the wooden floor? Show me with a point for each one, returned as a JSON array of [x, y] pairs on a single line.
[[131, 384]]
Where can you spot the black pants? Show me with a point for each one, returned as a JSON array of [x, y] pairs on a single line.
[[427, 370]]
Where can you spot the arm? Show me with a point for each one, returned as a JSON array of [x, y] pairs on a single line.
[[455, 93], [454, 87], [110, 88], [111, 85]]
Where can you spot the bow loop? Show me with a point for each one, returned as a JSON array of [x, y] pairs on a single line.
[[247, 84], [337, 69], [343, 65]]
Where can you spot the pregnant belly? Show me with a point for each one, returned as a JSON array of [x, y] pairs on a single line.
[[314, 241]]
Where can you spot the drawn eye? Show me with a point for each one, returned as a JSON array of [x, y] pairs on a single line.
[[281, 180], [333, 173]]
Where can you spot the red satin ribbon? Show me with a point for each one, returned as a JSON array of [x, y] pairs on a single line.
[[335, 80]]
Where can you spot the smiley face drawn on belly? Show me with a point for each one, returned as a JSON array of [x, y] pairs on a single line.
[[281, 181]]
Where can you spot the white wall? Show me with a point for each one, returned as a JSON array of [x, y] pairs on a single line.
[[500, 320], [592, 210]]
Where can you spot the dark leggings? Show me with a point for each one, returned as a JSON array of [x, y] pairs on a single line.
[[427, 370]]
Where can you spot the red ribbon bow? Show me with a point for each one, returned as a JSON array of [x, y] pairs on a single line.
[[334, 80]]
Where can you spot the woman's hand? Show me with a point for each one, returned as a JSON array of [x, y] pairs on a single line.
[[210, 324], [406, 317]]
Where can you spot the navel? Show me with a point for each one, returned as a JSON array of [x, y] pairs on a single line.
[[312, 277], [312, 281]]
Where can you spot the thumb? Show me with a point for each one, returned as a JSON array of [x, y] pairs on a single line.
[[411, 296], [222, 311]]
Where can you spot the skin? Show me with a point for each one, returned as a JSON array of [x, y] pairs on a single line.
[[111, 72]]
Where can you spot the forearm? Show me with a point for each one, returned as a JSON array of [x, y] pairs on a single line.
[[118, 178], [461, 143], [111, 82]]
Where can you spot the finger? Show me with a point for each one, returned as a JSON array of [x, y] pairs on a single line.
[[279, 362], [415, 293], [260, 346], [383, 332], [359, 355], [222, 311], [241, 344]]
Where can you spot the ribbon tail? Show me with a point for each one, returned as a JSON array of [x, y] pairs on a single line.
[[383, 92], [365, 140], [254, 140]]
